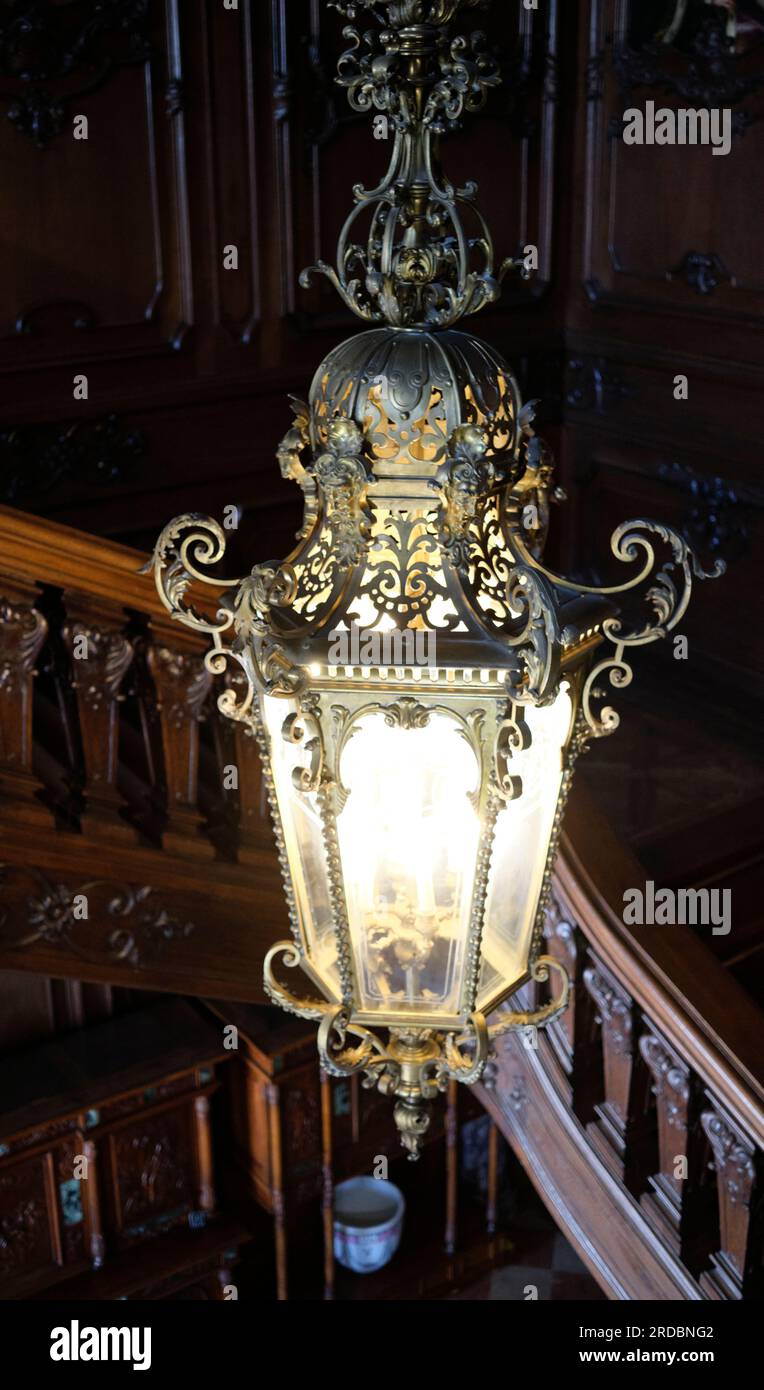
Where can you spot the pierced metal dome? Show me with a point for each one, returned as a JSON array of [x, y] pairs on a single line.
[[407, 391]]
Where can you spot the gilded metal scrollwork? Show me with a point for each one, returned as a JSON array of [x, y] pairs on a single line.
[[513, 736], [240, 628], [419, 266], [470, 478], [340, 1060], [294, 729], [539, 640], [668, 597], [290, 455], [185, 543], [465, 1054], [403, 576], [546, 1013], [342, 478], [288, 952]]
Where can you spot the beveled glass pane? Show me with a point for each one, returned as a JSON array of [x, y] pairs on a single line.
[[304, 838], [408, 836], [521, 843]]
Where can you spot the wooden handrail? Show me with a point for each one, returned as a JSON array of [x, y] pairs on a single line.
[[38, 551], [671, 974]]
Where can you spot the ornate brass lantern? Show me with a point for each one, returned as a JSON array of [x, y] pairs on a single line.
[[417, 806]]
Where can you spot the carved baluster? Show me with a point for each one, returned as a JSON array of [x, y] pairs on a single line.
[[100, 656], [574, 1037], [677, 1207], [182, 684], [671, 1085], [736, 1267], [622, 1129], [22, 633]]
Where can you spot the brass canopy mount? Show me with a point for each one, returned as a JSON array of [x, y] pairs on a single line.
[[427, 258]]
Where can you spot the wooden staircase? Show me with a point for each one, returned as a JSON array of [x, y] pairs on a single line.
[[112, 781], [639, 1116]]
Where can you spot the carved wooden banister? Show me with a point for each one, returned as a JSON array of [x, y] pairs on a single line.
[[45, 552], [640, 1115], [126, 852], [667, 971]]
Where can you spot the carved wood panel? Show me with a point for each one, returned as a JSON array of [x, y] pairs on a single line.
[[323, 146], [208, 128], [30, 1236], [221, 59], [685, 254], [108, 265], [622, 464], [152, 1168]]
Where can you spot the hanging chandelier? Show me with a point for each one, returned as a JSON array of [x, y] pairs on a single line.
[[417, 787]]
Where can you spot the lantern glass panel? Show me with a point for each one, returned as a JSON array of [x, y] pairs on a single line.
[[302, 826], [409, 835], [520, 849]]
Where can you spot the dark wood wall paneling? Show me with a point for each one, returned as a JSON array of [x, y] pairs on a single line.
[[207, 127], [211, 127], [666, 279]]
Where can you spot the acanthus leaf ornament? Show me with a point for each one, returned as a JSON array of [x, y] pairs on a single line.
[[290, 456], [417, 801]]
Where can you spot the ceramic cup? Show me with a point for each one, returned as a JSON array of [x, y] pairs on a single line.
[[368, 1223]]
